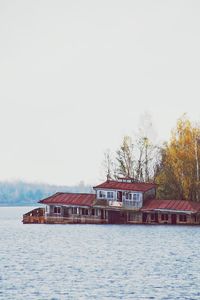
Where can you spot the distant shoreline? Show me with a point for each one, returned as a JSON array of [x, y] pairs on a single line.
[[19, 205]]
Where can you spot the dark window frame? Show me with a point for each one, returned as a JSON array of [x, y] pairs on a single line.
[[109, 194], [74, 210], [57, 210], [153, 218], [183, 218], [164, 217]]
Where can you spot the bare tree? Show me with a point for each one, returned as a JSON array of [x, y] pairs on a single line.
[[108, 165], [147, 151], [125, 158], [136, 157]]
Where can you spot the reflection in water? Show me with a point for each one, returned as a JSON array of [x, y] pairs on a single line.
[[97, 261]]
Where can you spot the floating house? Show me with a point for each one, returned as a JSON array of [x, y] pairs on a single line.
[[121, 201]]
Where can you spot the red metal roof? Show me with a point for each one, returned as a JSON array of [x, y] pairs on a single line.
[[70, 199], [181, 205], [126, 186]]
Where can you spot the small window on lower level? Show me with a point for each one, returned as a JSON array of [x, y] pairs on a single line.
[[182, 218], [57, 210], [74, 210], [164, 217], [85, 212], [134, 217], [152, 217]]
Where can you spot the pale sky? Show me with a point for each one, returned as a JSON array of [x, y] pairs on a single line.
[[75, 76]]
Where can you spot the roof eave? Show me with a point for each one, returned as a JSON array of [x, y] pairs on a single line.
[[65, 204], [118, 189], [169, 210]]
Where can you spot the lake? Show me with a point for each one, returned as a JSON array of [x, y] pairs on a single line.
[[97, 261]]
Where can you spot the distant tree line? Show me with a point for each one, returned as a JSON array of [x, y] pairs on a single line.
[[23, 193], [174, 165]]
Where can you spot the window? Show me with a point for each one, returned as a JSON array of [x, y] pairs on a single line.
[[130, 196], [135, 196], [182, 218], [74, 210], [84, 211], [102, 194], [134, 217], [94, 212], [57, 210], [152, 217], [110, 195], [164, 217]]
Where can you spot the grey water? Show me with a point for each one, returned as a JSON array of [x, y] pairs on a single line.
[[97, 261]]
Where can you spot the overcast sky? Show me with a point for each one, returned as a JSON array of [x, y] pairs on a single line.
[[75, 76]]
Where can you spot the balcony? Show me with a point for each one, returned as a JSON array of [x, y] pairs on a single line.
[[132, 204]]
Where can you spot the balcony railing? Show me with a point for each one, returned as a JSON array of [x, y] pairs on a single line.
[[129, 204], [135, 204]]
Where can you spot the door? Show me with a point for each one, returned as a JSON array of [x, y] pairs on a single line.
[[113, 217], [156, 217], [173, 219], [65, 212], [119, 196]]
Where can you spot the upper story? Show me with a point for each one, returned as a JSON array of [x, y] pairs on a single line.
[[125, 192]]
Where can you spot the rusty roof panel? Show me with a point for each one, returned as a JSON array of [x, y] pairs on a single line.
[[70, 199], [130, 186], [179, 205]]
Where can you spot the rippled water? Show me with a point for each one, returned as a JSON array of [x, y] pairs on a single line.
[[97, 261]]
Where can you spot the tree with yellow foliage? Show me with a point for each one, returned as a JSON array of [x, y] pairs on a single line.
[[178, 172]]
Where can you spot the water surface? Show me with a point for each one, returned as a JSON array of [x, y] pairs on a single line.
[[97, 261]]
